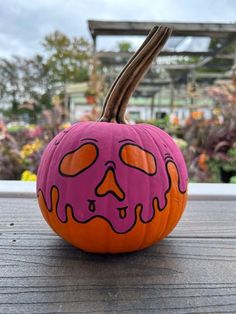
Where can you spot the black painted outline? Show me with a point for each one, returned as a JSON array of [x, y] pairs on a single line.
[[89, 139], [109, 191], [168, 158], [110, 161], [153, 174], [88, 220], [97, 216], [104, 218], [94, 204], [122, 208], [50, 209], [170, 183], [71, 152], [127, 139]]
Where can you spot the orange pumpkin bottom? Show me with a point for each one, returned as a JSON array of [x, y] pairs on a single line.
[[97, 235]]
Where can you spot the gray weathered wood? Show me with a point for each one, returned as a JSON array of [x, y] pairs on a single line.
[[192, 271], [104, 28], [111, 57]]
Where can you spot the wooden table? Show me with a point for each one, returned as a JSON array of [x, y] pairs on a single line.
[[192, 271]]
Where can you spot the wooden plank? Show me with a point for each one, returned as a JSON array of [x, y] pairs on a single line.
[[104, 28], [176, 276], [202, 219], [115, 56], [192, 271]]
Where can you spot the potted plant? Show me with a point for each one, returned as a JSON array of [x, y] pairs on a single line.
[[90, 96]]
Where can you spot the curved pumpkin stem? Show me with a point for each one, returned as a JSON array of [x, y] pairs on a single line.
[[123, 87], [112, 105]]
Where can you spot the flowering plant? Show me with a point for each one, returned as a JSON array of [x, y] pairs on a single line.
[[28, 176]]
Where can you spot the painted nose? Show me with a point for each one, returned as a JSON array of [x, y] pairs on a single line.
[[109, 184]]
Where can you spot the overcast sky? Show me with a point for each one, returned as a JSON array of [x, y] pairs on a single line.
[[23, 23]]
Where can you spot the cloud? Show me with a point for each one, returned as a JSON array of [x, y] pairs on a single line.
[[24, 23]]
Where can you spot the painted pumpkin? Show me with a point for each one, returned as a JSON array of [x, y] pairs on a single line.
[[109, 186]]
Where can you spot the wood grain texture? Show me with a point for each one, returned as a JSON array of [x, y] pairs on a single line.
[[219, 30], [192, 271]]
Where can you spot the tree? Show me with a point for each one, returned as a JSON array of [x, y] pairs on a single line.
[[24, 81], [27, 85], [125, 46], [68, 59], [9, 82]]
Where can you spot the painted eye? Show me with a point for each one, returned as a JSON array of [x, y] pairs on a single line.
[[78, 160], [135, 156]]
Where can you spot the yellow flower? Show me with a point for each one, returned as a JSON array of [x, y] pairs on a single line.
[[65, 125], [29, 149], [28, 176]]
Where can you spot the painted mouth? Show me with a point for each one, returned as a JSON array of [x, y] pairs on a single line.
[[59, 211], [122, 210]]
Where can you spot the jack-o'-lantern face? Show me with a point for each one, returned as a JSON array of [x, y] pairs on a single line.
[[131, 155], [109, 176]]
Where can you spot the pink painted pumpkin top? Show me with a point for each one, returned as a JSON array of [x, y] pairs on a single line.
[[79, 191]]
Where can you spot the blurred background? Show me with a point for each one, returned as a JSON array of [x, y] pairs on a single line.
[[58, 59]]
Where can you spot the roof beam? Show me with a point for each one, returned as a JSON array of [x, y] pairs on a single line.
[[127, 55], [121, 28], [199, 75]]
